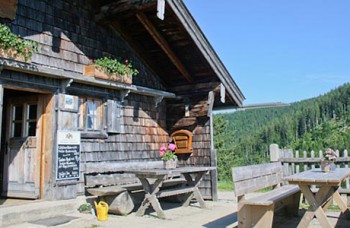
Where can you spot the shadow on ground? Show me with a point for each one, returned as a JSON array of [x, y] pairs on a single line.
[[222, 222]]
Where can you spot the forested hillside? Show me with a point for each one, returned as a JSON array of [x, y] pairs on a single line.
[[243, 137]]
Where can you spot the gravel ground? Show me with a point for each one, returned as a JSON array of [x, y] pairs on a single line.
[[219, 214]]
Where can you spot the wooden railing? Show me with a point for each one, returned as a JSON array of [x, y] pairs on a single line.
[[298, 161]]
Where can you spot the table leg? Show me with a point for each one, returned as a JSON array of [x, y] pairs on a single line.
[[150, 197], [342, 205], [340, 202], [196, 193], [316, 202]]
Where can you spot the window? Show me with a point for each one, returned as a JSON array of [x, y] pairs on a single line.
[[17, 121], [90, 114], [31, 120], [24, 125]]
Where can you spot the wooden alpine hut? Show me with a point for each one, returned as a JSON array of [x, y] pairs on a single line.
[[63, 127]]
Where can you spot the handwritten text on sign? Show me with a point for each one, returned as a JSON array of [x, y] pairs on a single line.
[[68, 151]]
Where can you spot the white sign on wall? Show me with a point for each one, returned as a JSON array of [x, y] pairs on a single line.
[[68, 102]]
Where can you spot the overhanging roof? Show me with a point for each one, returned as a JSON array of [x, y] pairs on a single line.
[[174, 48]]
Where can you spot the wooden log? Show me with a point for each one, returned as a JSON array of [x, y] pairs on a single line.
[[121, 204]]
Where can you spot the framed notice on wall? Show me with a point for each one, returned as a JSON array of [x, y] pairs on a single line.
[[68, 155]]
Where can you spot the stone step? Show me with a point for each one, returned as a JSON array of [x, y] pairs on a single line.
[[36, 210]]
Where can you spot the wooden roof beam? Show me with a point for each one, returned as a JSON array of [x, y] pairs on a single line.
[[122, 6], [164, 45]]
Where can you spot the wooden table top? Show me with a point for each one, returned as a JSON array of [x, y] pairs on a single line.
[[176, 171], [316, 176]]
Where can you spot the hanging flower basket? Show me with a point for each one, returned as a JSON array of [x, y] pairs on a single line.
[[97, 72]]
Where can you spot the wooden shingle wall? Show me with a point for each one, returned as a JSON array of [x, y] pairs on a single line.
[[68, 38], [198, 123], [143, 134]]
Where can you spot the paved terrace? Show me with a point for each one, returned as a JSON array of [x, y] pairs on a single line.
[[221, 213]]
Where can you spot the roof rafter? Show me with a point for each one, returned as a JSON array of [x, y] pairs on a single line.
[[122, 6], [164, 45]]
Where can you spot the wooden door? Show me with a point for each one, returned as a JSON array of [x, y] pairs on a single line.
[[22, 153]]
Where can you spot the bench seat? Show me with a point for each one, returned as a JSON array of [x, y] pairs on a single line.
[[117, 189], [273, 196]]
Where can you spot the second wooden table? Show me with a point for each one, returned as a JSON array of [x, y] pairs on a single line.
[[328, 189]]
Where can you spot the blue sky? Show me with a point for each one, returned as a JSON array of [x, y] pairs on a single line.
[[279, 50]]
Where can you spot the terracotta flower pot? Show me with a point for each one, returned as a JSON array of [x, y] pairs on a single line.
[[97, 72]]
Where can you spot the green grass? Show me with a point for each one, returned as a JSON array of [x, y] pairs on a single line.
[[225, 185], [330, 208]]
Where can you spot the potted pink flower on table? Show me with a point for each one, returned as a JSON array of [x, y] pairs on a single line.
[[168, 156], [327, 163]]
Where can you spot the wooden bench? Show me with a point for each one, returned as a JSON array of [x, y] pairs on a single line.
[[118, 188], [259, 211]]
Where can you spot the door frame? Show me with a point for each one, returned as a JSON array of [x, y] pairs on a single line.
[[44, 138]]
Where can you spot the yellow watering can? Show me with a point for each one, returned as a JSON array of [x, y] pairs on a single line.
[[101, 211]]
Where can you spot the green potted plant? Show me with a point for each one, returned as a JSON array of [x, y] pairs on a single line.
[[85, 208], [111, 69], [15, 47]]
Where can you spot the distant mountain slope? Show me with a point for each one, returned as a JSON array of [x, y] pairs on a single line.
[[311, 124]]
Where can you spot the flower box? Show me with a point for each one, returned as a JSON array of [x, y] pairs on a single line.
[[14, 47], [97, 72], [11, 53]]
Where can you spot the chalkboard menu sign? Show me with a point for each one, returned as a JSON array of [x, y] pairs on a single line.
[[68, 155]]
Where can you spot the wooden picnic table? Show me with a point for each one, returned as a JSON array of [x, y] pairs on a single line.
[[192, 175], [328, 191]]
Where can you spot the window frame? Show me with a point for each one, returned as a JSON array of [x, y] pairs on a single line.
[[98, 115], [110, 118], [25, 120]]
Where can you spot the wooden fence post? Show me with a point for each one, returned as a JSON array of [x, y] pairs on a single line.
[[275, 154]]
